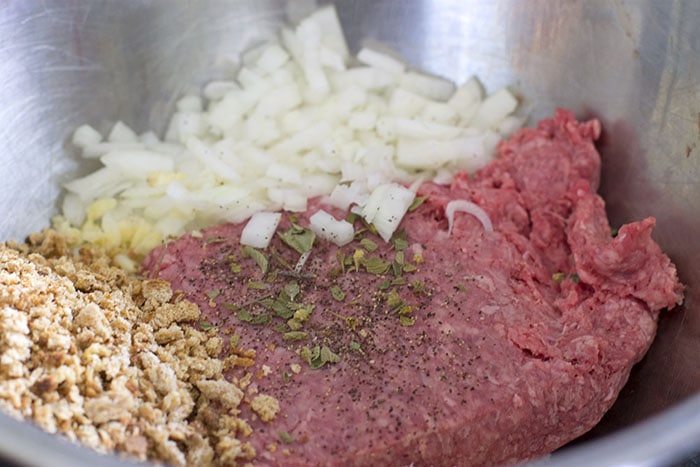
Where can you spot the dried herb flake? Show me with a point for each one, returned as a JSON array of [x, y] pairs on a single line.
[[294, 336], [299, 238], [337, 293], [375, 265], [212, 294], [246, 316], [318, 356], [257, 256], [286, 437], [417, 201], [256, 285], [368, 244]]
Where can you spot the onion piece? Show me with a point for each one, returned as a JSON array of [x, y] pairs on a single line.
[[260, 228], [299, 117], [85, 135], [430, 87], [327, 227], [121, 133], [344, 195], [494, 109], [386, 207], [380, 60], [302, 261], [137, 163], [462, 205]]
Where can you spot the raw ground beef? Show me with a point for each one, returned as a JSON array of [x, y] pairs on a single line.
[[475, 348]]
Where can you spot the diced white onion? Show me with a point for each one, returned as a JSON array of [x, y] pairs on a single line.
[[327, 227], [380, 60], [97, 150], [494, 109], [216, 90], [331, 59], [344, 195], [386, 207], [467, 151], [462, 205], [365, 77], [431, 87], [260, 229], [73, 209], [466, 99], [299, 118], [190, 103], [137, 164], [101, 183], [121, 133], [272, 58], [331, 31], [85, 135]]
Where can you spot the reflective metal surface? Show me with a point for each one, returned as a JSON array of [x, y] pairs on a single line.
[[633, 64]]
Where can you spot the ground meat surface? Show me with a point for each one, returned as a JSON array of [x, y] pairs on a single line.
[[433, 349]]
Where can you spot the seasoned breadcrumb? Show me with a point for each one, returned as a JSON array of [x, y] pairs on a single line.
[[107, 359]]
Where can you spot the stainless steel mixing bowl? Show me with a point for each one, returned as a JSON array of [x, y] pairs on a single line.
[[633, 64]]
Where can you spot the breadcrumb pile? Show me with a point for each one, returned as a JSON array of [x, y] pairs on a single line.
[[109, 360]]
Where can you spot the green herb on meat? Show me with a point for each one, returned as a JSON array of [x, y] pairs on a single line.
[[418, 287], [280, 328], [397, 305], [398, 240], [291, 290], [341, 261], [399, 281], [212, 294], [299, 238], [235, 267], [257, 256], [352, 322], [337, 293], [357, 256], [368, 244], [294, 336], [417, 201], [560, 276], [286, 437], [233, 342], [393, 299], [375, 265], [247, 317], [405, 320], [398, 264], [318, 356], [257, 285], [302, 314]]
